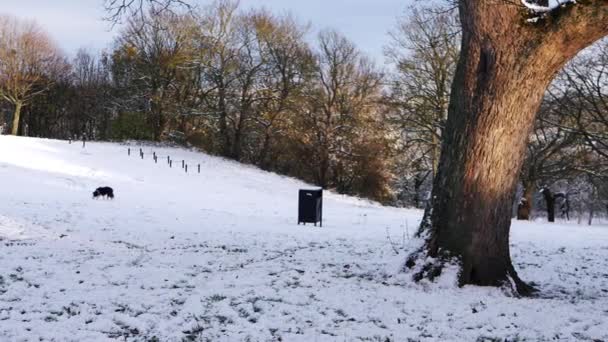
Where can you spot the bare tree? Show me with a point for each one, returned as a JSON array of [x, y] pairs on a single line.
[[346, 88], [93, 105], [424, 49], [289, 64], [510, 53], [118, 9], [221, 45], [552, 155], [149, 60], [582, 95], [27, 57]]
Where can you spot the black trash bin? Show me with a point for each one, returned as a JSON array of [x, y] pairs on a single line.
[[310, 207]]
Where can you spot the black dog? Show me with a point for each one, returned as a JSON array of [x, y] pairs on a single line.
[[104, 191]]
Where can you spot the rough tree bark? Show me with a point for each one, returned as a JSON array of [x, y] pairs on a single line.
[[506, 64]]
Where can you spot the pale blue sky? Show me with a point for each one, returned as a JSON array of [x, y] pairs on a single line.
[[78, 23]]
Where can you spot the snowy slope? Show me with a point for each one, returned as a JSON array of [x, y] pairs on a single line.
[[218, 256]]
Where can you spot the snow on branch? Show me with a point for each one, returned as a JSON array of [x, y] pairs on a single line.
[[539, 11], [544, 9]]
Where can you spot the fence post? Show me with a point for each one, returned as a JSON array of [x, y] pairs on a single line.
[[186, 168], [142, 155], [155, 160], [183, 163], [129, 151], [168, 159], [199, 168], [170, 163]]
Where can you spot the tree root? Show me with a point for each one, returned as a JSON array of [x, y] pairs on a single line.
[[520, 287], [430, 268]]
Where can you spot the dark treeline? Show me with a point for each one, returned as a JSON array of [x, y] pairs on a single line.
[[255, 87]]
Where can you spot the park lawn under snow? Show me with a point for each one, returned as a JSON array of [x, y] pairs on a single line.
[[218, 256]]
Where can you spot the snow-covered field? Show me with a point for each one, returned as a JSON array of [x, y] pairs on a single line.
[[217, 256]]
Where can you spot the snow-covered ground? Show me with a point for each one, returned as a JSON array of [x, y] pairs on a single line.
[[218, 256]]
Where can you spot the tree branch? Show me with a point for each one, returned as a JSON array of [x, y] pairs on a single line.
[[574, 26]]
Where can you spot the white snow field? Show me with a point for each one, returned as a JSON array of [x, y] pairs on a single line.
[[218, 256]]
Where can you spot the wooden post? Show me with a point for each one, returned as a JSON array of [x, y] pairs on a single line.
[[170, 163], [199, 168], [168, 159], [186, 168], [129, 151], [155, 159], [183, 163], [142, 155]]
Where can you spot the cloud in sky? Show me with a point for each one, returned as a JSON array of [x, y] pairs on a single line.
[[78, 23]]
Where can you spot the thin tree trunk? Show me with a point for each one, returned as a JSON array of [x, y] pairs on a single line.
[[157, 119], [550, 209], [417, 185], [236, 152], [158, 126], [16, 118], [550, 202], [504, 68], [524, 209], [236, 144], [436, 154], [323, 170], [224, 134], [591, 203], [263, 155], [529, 194]]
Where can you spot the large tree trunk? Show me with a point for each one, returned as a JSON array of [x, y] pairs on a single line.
[[505, 66], [16, 118]]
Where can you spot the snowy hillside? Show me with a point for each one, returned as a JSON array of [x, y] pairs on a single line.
[[218, 256]]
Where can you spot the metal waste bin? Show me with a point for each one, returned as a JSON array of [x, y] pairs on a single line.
[[310, 207]]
